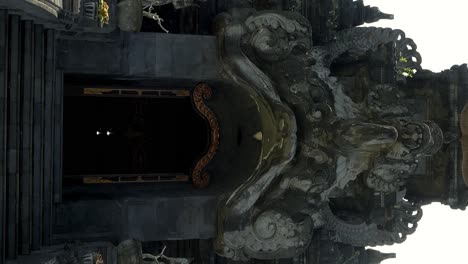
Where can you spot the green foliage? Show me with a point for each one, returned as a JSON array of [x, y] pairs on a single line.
[[406, 71]]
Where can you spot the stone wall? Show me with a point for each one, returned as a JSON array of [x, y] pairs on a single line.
[[142, 56]]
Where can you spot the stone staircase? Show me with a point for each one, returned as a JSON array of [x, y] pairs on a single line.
[[30, 131]]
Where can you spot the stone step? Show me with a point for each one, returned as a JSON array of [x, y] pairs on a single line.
[[30, 134]]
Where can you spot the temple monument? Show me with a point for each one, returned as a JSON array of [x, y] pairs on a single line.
[[219, 132]]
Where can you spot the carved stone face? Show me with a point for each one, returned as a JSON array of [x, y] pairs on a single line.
[[421, 138], [367, 137]]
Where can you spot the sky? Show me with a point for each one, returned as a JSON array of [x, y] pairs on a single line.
[[438, 27], [440, 30]]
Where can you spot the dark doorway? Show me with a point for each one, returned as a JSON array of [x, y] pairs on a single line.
[[135, 135]]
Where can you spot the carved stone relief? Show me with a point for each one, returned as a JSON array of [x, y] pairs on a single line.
[[342, 155]]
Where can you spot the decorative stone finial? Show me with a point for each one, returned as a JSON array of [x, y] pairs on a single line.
[[376, 257], [373, 14]]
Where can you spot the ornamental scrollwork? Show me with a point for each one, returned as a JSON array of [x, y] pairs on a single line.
[[200, 177], [337, 154]]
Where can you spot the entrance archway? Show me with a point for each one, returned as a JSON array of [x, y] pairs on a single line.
[[119, 135]]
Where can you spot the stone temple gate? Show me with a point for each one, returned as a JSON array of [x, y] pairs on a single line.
[[219, 131]]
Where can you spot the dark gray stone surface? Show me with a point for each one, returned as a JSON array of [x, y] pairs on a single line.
[[171, 218], [26, 200], [38, 146], [145, 219], [3, 127], [89, 57], [142, 56], [49, 94], [13, 136], [26, 137]]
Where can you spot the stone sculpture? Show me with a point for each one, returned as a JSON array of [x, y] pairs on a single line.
[[330, 148]]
